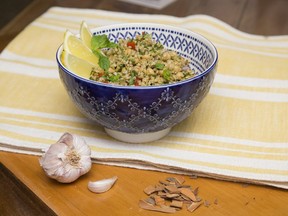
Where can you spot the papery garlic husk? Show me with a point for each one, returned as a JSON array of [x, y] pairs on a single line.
[[67, 159], [103, 185]]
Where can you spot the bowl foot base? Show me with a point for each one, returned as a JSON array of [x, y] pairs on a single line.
[[137, 138]]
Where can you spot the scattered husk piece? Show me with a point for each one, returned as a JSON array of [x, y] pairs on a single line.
[[180, 179], [177, 204], [149, 190], [207, 203], [188, 193], [165, 182], [172, 196], [158, 200], [184, 186], [195, 191], [172, 189], [162, 194], [150, 200], [147, 206], [185, 198], [216, 201], [159, 187], [180, 198], [168, 209], [193, 206], [171, 179]]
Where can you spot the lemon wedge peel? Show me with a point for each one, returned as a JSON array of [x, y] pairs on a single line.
[[85, 34], [79, 66], [77, 55], [76, 47]]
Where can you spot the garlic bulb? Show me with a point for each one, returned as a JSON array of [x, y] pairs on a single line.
[[103, 185], [67, 159]]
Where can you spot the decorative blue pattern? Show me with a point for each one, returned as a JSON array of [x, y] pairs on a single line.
[[148, 115]]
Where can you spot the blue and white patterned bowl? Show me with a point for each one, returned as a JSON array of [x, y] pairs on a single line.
[[143, 114]]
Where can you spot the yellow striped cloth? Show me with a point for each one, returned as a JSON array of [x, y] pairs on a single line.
[[239, 132]]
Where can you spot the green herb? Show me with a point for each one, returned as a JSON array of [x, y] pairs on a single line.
[[159, 66], [104, 61], [133, 61], [133, 77], [99, 42], [166, 74], [114, 78], [131, 80]]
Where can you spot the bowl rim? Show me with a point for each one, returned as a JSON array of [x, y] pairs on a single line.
[[186, 31]]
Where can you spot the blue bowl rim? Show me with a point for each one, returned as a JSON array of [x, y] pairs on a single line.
[[210, 68]]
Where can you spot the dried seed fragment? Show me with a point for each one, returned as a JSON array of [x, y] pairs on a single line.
[[171, 179], [180, 179], [188, 193], [150, 200], [193, 206], [185, 198], [207, 203], [159, 187], [158, 200], [184, 186], [195, 191], [165, 182], [180, 198], [172, 196], [177, 204], [144, 205], [172, 189], [168, 209], [162, 194], [149, 190]]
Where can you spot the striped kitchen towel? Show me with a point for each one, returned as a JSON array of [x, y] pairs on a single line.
[[239, 132]]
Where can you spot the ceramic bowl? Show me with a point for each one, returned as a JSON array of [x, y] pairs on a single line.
[[143, 114]]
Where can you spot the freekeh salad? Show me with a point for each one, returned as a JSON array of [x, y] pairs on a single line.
[[141, 61]]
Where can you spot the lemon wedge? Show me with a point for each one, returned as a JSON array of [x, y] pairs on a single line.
[[74, 46], [77, 65], [85, 34]]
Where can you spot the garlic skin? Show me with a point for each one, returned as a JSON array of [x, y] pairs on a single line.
[[67, 159], [103, 185]]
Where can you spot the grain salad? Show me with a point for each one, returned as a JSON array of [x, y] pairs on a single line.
[[141, 62]]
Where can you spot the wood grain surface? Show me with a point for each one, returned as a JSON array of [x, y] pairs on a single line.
[[25, 190], [75, 199]]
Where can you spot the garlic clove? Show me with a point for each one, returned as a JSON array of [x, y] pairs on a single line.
[[103, 185]]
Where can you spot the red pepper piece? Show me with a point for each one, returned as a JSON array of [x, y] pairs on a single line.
[[131, 44], [136, 82]]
